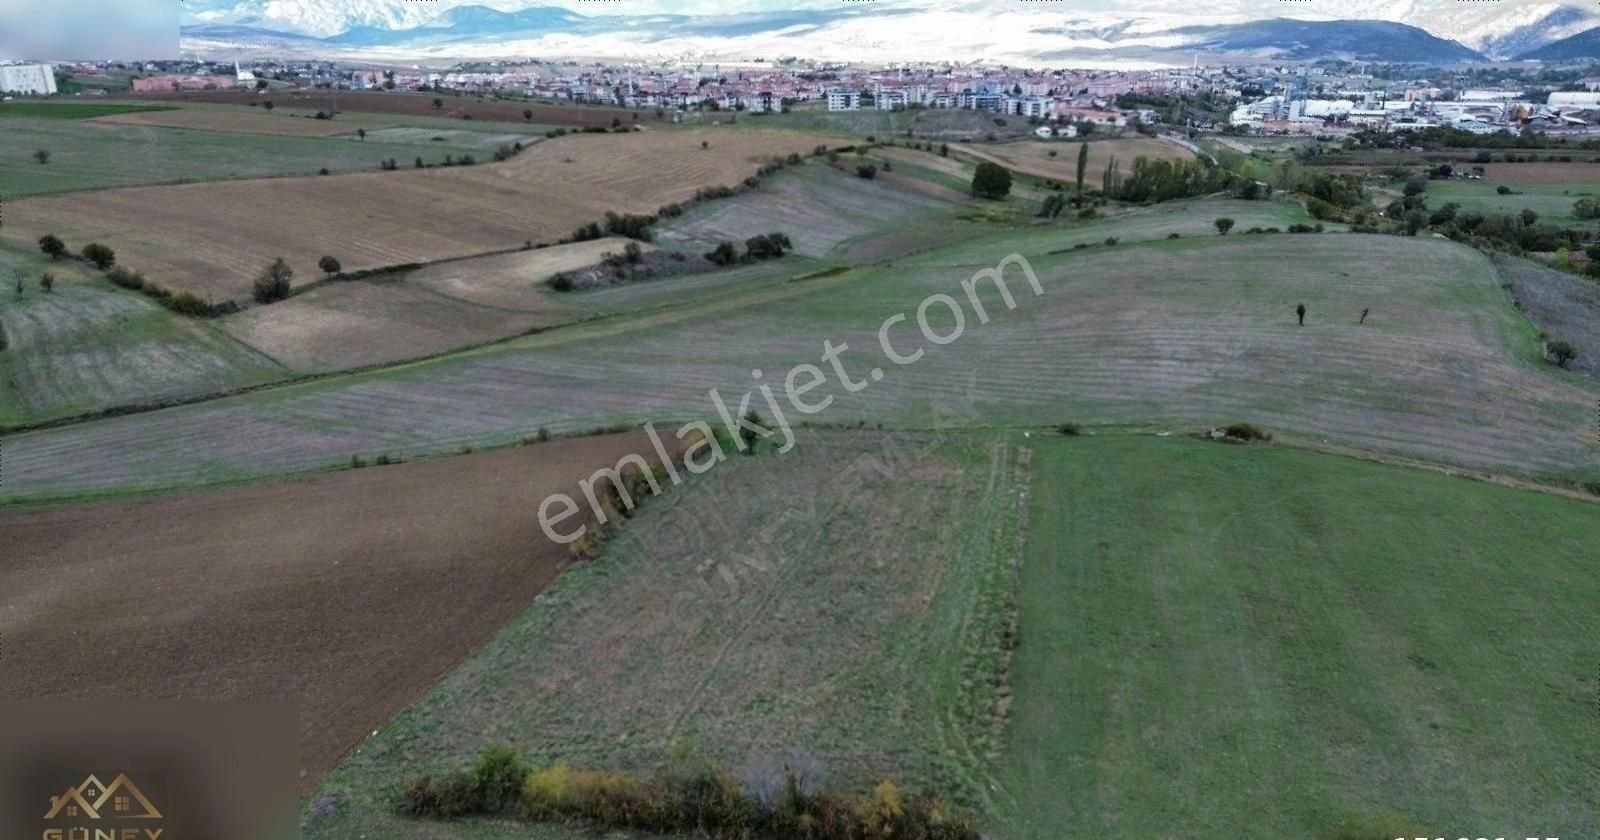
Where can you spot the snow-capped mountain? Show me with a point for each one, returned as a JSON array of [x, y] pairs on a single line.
[[1089, 33]]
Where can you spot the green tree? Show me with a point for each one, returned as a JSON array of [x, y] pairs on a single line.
[[1586, 208], [100, 255], [329, 265], [52, 246], [273, 284], [1083, 164], [1561, 352], [362, 133], [991, 180], [437, 103], [47, 281], [1224, 225], [41, 155]]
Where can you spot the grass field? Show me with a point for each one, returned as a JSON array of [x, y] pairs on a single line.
[[347, 594], [1548, 189], [239, 121], [210, 238], [1174, 334], [844, 599], [72, 110], [96, 154], [87, 346], [1246, 642]]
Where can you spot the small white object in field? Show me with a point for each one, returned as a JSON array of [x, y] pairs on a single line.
[[1027, 434], [1162, 434]]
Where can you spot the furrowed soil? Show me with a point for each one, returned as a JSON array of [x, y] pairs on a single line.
[[209, 238], [845, 599], [348, 593]]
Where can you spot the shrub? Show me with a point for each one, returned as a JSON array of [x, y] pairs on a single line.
[[497, 778], [273, 284], [723, 254], [1503, 190], [329, 265], [383, 460], [101, 256], [1111, 241], [545, 792], [1246, 432], [188, 303], [561, 282], [126, 279], [1069, 429], [1174, 235], [1223, 225], [47, 281], [630, 225], [867, 171], [356, 463]]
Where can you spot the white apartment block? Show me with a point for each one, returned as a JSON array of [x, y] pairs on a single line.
[[27, 78], [841, 99]]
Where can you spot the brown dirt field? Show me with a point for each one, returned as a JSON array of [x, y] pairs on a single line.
[[1574, 174], [243, 122], [1032, 157], [212, 239], [417, 105], [349, 593]]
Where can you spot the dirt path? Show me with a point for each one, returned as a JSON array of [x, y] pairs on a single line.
[[348, 593]]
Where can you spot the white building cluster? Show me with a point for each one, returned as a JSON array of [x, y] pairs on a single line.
[[32, 79]]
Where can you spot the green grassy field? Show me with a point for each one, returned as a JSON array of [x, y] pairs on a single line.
[[1553, 202], [1171, 334], [92, 155], [750, 614], [88, 345], [1222, 641], [69, 110]]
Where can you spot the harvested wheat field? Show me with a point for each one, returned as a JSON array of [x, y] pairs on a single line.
[[1032, 157], [407, 315], [348, 593], [516, 280], [240, 122], [212, 239]]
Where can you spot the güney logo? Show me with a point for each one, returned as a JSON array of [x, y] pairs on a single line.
[[90, 808]]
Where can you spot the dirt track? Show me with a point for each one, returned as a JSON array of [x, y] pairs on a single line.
[[349, 593]]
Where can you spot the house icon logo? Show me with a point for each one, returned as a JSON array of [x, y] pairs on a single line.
[[95, 802]]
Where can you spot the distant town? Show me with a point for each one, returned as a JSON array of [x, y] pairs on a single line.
[[1324, 98]]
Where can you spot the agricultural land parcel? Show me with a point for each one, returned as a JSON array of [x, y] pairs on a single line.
[[94, 154], [1423, 655], [388, 577], [1167, 333], [749, 613], [207, 238]]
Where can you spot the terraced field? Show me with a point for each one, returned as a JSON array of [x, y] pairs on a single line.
[[819, 207], [87, 346], [241, 121], [209, 238], [1174, 334], [844, 599], [1258, 642]]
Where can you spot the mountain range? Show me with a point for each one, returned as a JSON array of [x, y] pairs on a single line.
[[1091, 33]]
